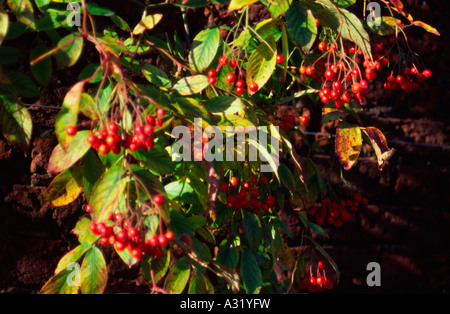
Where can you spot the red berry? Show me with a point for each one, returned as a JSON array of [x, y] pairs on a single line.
[[162, 240], [310, 70], [88, 208], [121, 236], [427, 73], [253, 87], [356, 88], [212, 80], [321, 265], [120, 246], [113, 127], [170, 235], [240, 91], [322, 46], [159, 122], [230, 77], [93, 228], [150, 119], [233, 181], [212, 73], [264, 180], [304, 120], [158, 199], [240, 83], [329, 75], [223, 60], [71, 130], [103, 149], [279, 59], [160, 112], [233, 63], [223, 187], [136, 253]]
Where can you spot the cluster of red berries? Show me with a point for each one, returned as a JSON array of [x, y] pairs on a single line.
[[118, 232], [247, 194], [335, 213], [239, 83], [317, 282], [408, 81], [109, 139]]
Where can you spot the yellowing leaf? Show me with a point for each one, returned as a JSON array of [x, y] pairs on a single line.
[[348, 143], [64, 188], [239, 4], [147, 22]]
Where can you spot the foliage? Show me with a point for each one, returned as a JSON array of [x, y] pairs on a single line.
[[221, 214]]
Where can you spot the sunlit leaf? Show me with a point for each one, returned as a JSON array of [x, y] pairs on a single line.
[[348, 143]]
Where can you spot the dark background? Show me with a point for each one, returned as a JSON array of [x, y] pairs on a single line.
[[405, 226]]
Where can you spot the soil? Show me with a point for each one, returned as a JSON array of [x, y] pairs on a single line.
[[404, 228]]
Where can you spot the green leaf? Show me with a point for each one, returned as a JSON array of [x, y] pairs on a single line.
[[239, 4], [93, 272], [261, 63], [88, 71], [121, 23], [10, 55], [228, 256], [61, 283], [250, 272], [200, 284], [68, 115], [83, 233], [179, 224], [204, 49], [181, 191], [228, 104], [92, 172], [23, 10], [286, 177], [301, 25], [106, 193], [277, 8], [4, 23], [344, 3], [253, 230], [21, 84], [147, 23], [72, 257], [88, 107], [191, 84], [178, 277], [348, 143], [191, 3], [155, 75], [65, 187], [156, 159], [95, 9], [158, 265], [61, 159], [53, 19], [347, 23], [42, 71], [16, 124], [69, 54]]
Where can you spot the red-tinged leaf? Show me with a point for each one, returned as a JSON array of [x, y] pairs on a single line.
[[398, 5], [61, 159], [379, 144], [94, 273], [427, 27], [106, 193], [348, 143], [68, 114], [65, 187]]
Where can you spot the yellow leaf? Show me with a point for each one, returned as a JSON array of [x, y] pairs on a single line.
[[147, 22]]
